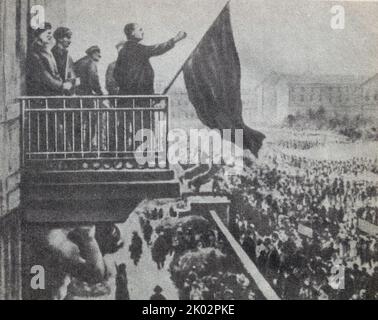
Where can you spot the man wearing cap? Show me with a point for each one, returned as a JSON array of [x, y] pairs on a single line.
[[133, 70], [43, 78], [63, 60], [86, 70], [66, 71], [111, 83]]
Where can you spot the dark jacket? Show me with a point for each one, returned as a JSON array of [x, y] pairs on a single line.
[[133, 70], [86, 70], [111, 83], [273, 260], [249, 247], [64, 63], [157, 297], [42, 76]]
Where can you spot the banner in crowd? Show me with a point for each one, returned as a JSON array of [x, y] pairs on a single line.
[[305, 231], [367, 227]]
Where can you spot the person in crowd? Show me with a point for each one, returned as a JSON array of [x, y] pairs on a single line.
[[111, 84], [147, 232], [135, 76], [158, 294], [86, 70], [160, 250], [65, 64], [133, 71], [249, 246], [122, 291], [42, 74], [136, 248]]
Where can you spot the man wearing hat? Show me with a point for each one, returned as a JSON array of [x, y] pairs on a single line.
[[63, 60], [43, 78], [86, 70]]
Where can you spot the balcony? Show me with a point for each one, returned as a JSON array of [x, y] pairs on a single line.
[[93, 154]]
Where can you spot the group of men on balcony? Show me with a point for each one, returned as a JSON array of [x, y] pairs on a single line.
[[53, 72], [79, 249]]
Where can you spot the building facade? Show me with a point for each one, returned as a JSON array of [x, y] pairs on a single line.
[[280, 95], [14, 26], [369, 96]]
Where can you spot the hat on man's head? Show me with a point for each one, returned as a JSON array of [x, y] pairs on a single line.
[[37, 32], [93, 49], [62, 32], [158, 289]]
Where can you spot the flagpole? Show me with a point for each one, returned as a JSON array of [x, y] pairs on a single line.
[[194, 50]]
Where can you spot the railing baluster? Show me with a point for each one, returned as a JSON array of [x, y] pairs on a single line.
[[98, 129], [47, 127], [56, 136], [152, 129], [29, 127], [116, 124], [116, 131], [38, 132], [82, 129], [133, 128], [125, 130], [107, 131], [23, 132], [64, 129], [90, 131], [73, 132], [166, 116], [142, 125]]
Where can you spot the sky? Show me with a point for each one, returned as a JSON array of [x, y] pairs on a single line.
[[291, 36]]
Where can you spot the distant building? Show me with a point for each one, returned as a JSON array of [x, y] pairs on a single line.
[[281, 94], [369, 96]]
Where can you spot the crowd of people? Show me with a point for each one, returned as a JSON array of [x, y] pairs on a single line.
[[354, 166], [299, 144], [206, 280], [219, 286], [369, 214], [301, 227]]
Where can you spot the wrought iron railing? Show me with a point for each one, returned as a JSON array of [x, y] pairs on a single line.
[[94, 132]]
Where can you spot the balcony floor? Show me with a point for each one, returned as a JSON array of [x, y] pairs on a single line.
[[92, 196]]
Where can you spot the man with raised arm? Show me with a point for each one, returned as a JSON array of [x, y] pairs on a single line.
[[133, 70]]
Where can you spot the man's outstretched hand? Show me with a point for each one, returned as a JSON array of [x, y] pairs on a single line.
[[180, 36]]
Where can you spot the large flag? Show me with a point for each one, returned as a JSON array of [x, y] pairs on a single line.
[[212, 76]]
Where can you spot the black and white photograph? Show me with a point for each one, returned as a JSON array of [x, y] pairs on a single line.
[[195, 150]]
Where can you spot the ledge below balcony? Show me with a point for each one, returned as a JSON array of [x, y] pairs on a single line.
[[92, 196]]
